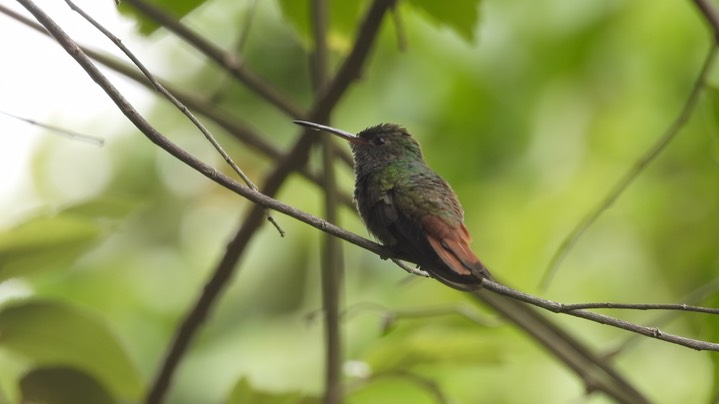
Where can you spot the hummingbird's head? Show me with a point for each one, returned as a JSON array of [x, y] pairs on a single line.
[[384, 144], [377, 145]]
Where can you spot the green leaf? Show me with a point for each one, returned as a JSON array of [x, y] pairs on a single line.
[[103, 207], [46, 243], [461, 16], [176, 8], [50, 333], [62, 385], [243, 392]]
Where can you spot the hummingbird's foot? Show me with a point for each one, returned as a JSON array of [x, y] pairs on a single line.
[[413, 271]]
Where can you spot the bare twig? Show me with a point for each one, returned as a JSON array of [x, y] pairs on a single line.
[[695, 296], [557, 307], [633, 172], [638, 306], [60, 131], [232, 63]]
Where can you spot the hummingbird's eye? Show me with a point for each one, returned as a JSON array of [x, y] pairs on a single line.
[[378, 141]]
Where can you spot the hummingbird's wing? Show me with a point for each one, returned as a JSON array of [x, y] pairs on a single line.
[[426, 227], [440, 246]]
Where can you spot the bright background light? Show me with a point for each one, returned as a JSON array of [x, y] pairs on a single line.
[[40, 81]]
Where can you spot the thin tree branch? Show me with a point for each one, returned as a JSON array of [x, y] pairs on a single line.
[[634, 172], [557, 307], [60, 131], [232, 63], [695, 296], [638, 306]]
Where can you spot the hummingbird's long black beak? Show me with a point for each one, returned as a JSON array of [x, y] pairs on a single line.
[[339, 132]]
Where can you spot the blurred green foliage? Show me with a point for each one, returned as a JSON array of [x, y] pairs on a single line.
[[532, 114], [62, 386]]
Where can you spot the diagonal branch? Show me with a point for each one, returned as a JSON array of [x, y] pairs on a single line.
[[696, 295], [566, 308], [232, 63], [557, 307]]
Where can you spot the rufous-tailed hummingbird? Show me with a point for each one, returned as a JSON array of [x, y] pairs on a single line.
[[409, 207]]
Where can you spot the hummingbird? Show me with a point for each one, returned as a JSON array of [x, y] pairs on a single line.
[[408, 207]]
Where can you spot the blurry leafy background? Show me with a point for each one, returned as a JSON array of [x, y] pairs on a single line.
[[532, 110]]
